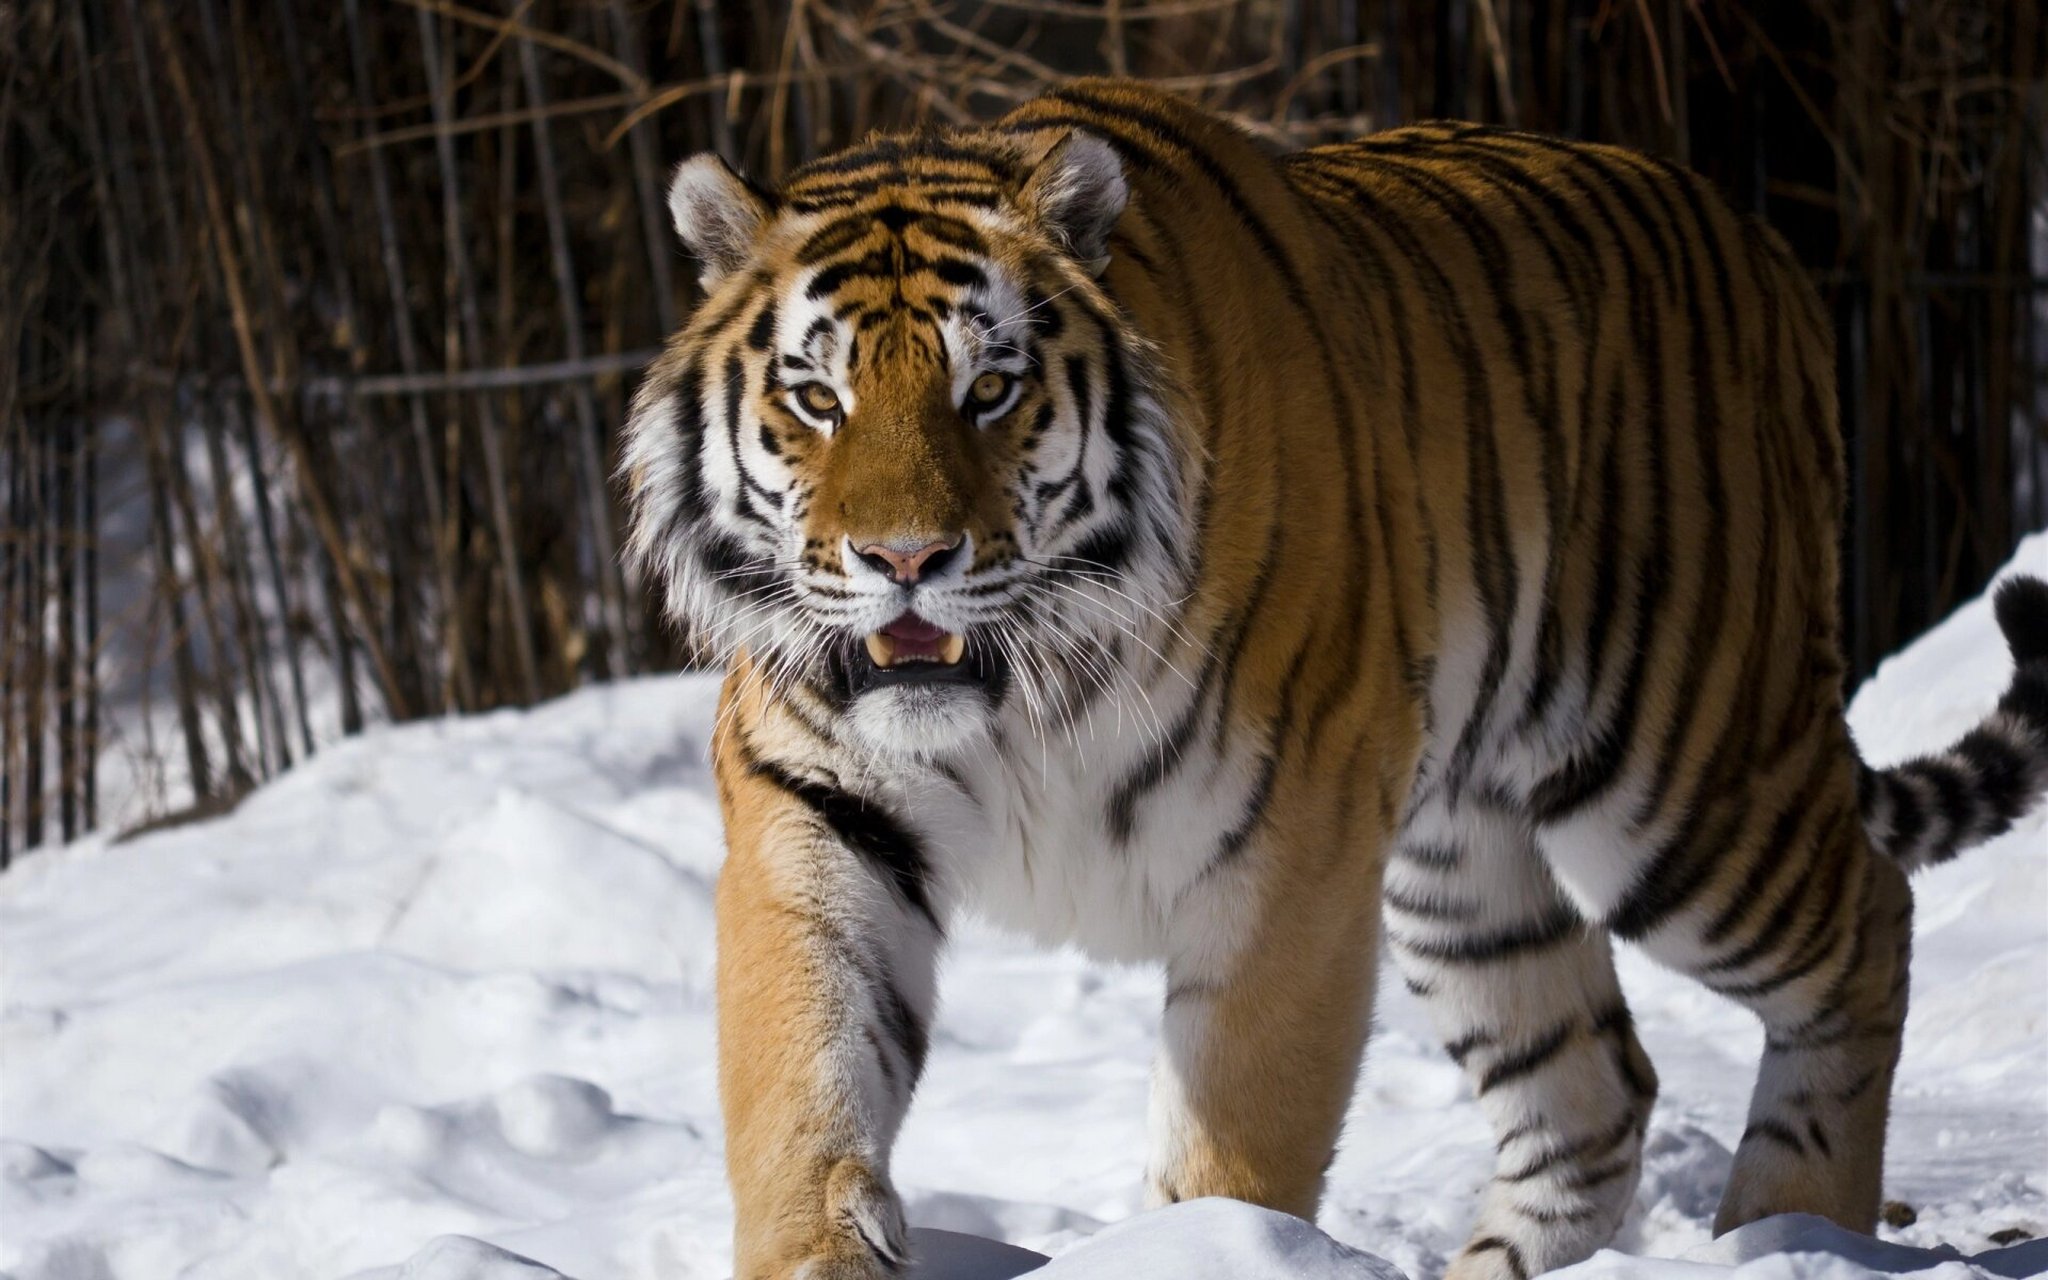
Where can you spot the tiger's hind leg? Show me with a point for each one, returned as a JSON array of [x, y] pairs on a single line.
[[1826, 971], [1804, 924], [1525, 998]]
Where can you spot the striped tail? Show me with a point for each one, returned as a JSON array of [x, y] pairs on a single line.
[[1928, 810]]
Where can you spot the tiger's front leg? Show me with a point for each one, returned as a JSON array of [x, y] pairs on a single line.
[[1261, 1038], [827, 944]]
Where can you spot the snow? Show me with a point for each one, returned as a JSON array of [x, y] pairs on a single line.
[[436, 1006]]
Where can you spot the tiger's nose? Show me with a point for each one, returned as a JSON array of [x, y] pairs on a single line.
[[908, 566]]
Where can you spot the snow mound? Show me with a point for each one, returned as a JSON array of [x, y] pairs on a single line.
[[436, 1006], [1216, 1240], [461, 1258], [1801, 1247]]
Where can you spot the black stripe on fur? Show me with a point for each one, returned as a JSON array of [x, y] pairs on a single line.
[[867, 829]]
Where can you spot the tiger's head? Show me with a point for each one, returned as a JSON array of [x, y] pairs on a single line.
[[909, 450]]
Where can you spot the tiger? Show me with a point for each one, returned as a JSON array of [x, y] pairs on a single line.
[[1236, 560]]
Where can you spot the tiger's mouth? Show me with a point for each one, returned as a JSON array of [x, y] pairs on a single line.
[[913, 651], [910, 639]]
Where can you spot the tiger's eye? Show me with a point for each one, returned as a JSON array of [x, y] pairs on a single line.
[[818, 398], [988, 389]]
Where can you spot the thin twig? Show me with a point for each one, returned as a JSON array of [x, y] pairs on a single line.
[[512, 27]]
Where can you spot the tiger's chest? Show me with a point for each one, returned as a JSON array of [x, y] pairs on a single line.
[[1098, 838]]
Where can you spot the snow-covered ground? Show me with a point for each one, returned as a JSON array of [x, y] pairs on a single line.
[[453, 980]]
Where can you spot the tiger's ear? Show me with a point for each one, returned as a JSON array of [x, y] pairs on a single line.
[[718, 214], [1076, 193]]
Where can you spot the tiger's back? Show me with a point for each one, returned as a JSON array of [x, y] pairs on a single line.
[[1551, 413], [1440, 524], [1617, 399]]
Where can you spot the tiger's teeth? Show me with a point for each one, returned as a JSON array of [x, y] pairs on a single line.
[[952, 649], [881, 649]]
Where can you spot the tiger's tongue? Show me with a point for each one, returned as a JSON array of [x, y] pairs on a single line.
[[914, 637]]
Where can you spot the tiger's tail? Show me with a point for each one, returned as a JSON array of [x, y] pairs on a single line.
[[1927, 810]]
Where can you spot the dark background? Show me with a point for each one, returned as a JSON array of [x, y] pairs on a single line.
[[320, 319]]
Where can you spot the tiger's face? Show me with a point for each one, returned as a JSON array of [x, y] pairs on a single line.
[[907, 451]]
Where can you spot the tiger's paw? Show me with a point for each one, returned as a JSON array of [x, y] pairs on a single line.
[[860, 1236]]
